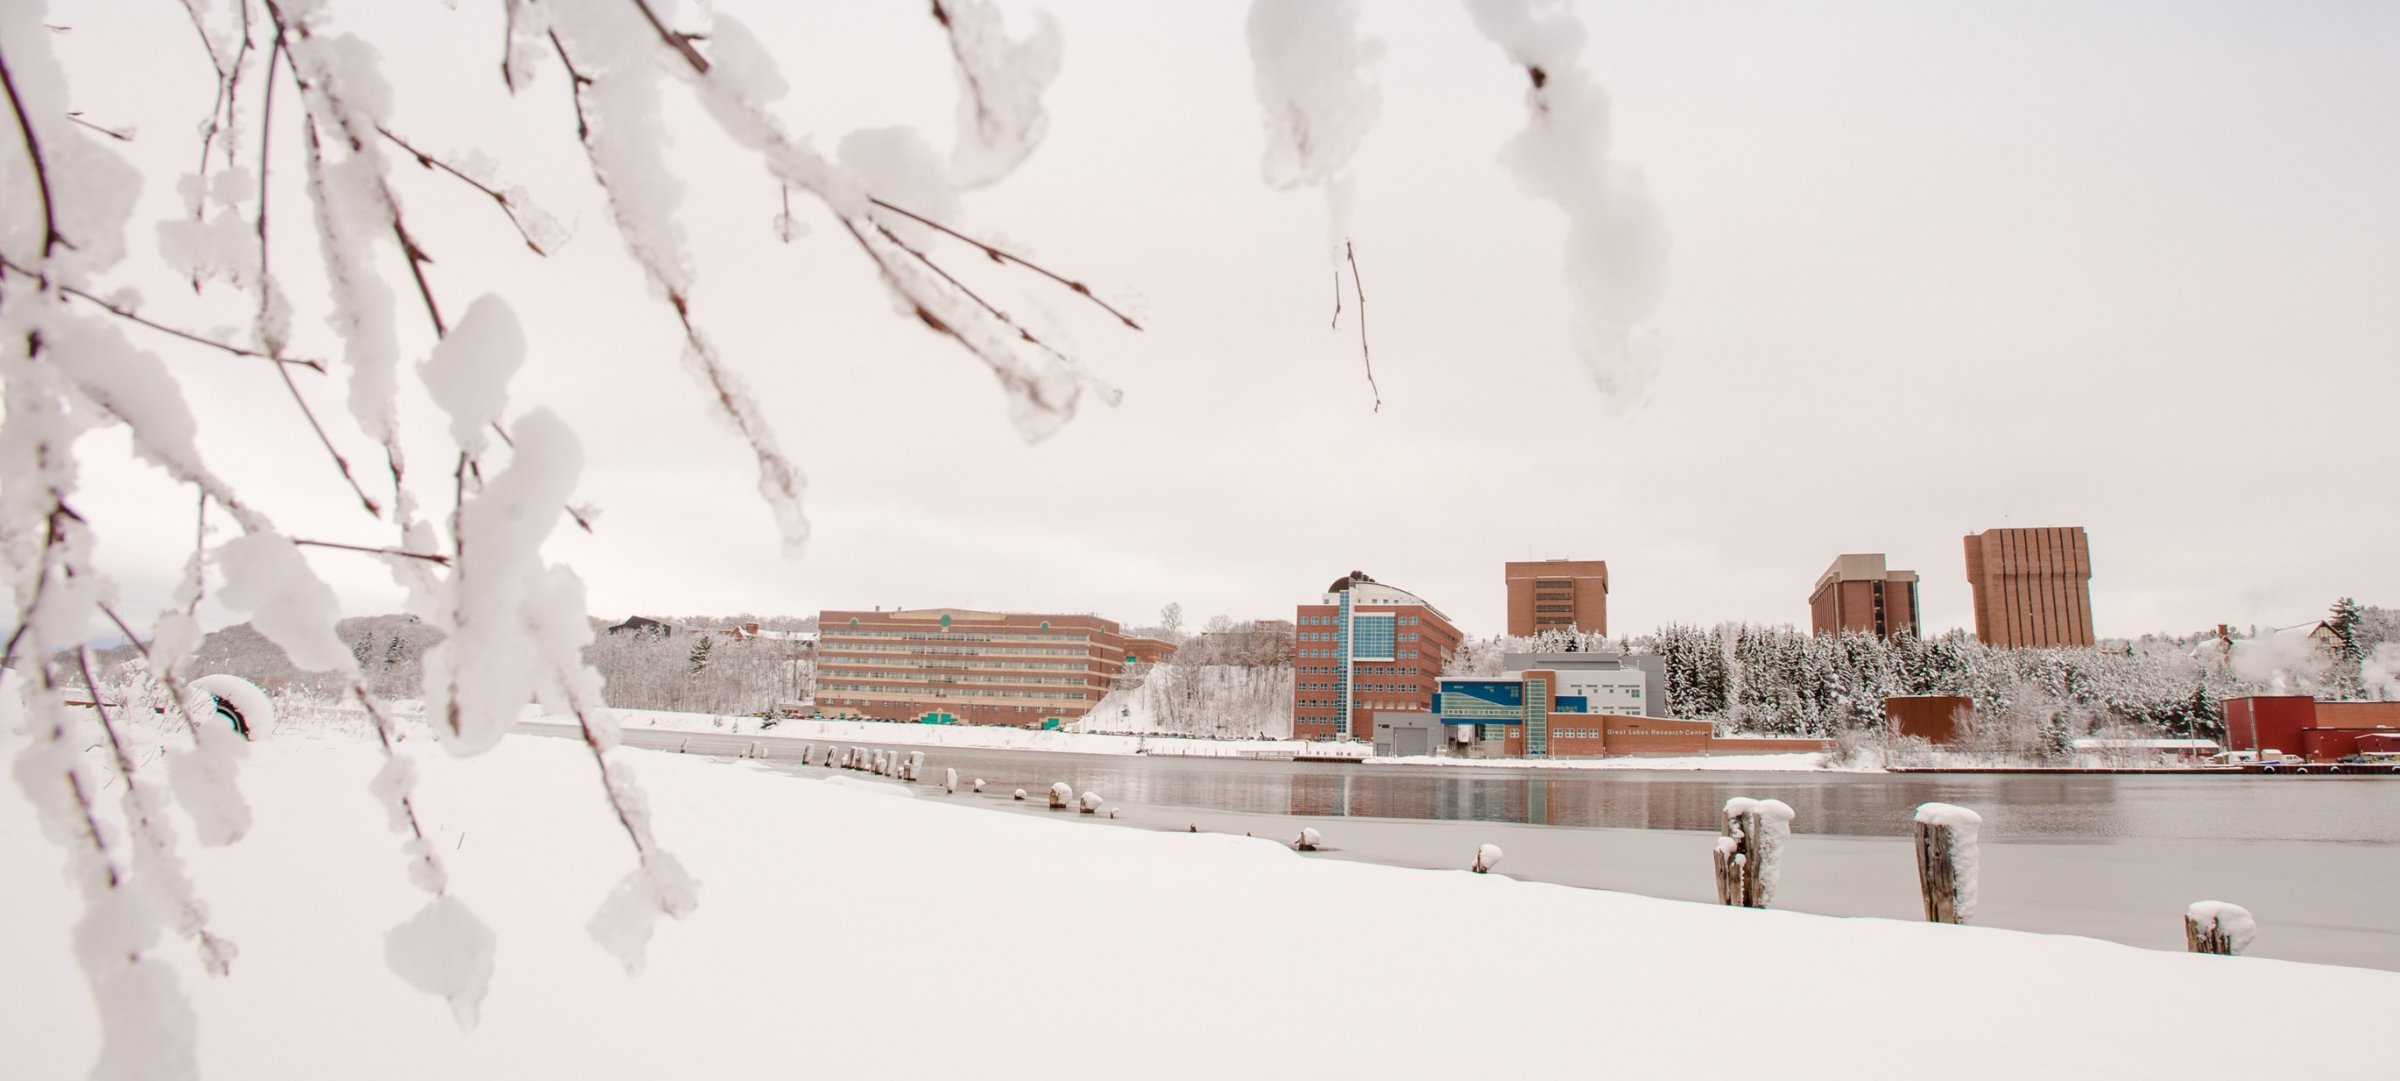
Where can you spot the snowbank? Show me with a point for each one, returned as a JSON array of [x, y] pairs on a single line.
[[987, 737], [824, 902]]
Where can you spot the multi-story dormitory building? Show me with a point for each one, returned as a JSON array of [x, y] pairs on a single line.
[[956, 666], [1365, 647]]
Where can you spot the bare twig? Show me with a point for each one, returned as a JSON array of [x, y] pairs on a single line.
[[966, 71], [507, 205], [199, 550], [998, 255], [429, 557], [1003, 317], [508, 43], [41, 170], [53, 538], [576, 81], [388, 733], [1337, 299], [91, 825], [108, 725], [675, 39], [131, 316], [1351, 251], [266, 139], [110, 132], [229, 80], [339, 463], [416, 269]]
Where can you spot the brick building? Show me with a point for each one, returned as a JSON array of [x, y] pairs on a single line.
[[1557, 594], [2297, 724], [1365, 646], [2033, 587], [1575, 705], [1859, 594], [957, 666]]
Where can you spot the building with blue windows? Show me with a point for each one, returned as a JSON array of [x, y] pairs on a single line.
[[1557, 705], [1365, 647]]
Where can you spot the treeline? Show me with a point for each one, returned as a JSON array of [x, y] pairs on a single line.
[[699, 668], [701, 671], [1784, 681]]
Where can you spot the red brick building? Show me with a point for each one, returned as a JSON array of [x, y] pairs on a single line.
[[1365, 646], [958, 666], [2297, 724], [2033, 587], [1858, 594], [1934, 718], [1557, 595]]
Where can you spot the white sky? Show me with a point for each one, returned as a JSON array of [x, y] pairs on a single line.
[[2131, 267]]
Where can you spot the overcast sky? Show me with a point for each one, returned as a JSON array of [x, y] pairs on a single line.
[[1935, 269]]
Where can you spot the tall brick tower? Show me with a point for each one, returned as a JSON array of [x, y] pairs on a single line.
[[1557, 594], [2033, 587]]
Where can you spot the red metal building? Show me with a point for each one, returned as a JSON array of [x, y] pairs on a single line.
[[2299, 725]]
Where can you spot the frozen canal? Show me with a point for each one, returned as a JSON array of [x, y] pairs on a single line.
[[2316, 859]]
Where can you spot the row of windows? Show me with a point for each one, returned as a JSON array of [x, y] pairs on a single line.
[[1020, 681], [862, 702], [920, 692], [894, 666], [1002, 649], [1554, 608], [1335, 621], [1576, 733], [960, 636]]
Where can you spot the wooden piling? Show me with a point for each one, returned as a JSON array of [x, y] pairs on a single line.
[[2217, 927], [1946, 844], [1748, 848]]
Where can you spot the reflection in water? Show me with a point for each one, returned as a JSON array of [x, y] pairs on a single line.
[[2015, 806]]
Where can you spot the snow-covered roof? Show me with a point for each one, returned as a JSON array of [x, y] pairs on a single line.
[[1367, 591]]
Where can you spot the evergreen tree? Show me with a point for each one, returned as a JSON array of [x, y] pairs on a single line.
[[700, 652], [2343, 620]]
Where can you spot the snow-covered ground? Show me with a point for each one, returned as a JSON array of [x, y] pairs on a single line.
[[988, 737], [844, 933], [1018, 739]]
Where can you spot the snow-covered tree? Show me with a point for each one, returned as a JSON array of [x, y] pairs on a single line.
[[458, 481]]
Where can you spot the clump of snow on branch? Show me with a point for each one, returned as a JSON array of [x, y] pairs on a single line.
[[486, 668], [266, 578], [1314, 78], [624, 923], [1000, 85], [203, 778], [468, 372], [445, 950], [1616, 243]]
